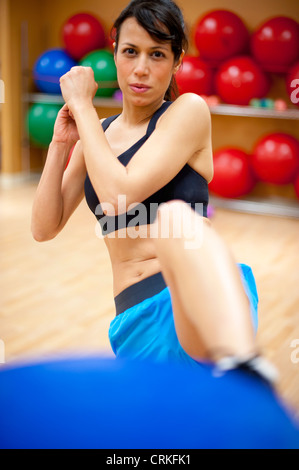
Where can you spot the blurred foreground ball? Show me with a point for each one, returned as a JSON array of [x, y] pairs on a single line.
[[74, 404]]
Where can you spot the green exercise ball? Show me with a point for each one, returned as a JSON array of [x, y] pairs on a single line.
[[41, 118], [102, 63]]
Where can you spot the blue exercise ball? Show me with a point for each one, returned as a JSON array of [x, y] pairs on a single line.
[[48, 69], [94, 403]]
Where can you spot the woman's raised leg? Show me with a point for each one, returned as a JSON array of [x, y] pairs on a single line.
[[211, 309]]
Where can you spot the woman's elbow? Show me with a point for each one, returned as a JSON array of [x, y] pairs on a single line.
[[39, 237], [42, 236]]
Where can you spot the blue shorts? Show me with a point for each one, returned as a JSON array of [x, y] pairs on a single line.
[[146, 330]]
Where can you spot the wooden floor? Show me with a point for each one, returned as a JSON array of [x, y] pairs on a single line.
[[56, 297]]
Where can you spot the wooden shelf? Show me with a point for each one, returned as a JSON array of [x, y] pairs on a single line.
[[250, 111], [221, 109], [58, 99], [277, 207]]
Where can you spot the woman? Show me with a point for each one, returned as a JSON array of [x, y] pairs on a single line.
[[164, 153]]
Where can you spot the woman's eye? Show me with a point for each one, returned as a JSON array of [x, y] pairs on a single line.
[[158, 54], [129, 51]]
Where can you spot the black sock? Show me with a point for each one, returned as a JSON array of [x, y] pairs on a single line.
[[255, 365]]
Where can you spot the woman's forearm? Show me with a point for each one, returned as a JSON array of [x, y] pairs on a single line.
[[48, 204], [108, 176]]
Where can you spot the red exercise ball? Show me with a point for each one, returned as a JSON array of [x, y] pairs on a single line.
[[292, 84], [233, 175], [194, 76], [240, 79], [219, 35], [275, 44], [81, 34], [275, 158], [296, 186]]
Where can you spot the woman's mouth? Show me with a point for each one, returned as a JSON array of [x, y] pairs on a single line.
[[139, 88]]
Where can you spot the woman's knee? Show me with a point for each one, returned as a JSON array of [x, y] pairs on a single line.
[[176, 220]]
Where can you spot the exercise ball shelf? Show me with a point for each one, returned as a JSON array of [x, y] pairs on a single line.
[[250, 111], [221, 109], [58, 99], [272, 206]]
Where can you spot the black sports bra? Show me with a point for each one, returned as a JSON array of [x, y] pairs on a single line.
[[187, 185]]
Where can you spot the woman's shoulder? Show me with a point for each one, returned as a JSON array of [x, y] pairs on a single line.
[[187, 108], [191, 102]]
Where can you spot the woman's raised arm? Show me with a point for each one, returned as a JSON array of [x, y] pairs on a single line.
[[184, 130]]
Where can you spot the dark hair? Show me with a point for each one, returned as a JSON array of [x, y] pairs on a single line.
[[164, 21]]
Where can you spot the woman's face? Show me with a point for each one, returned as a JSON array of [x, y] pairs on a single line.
[[144, 65]]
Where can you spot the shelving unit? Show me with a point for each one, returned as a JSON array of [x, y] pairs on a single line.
[[221, 109], [250, 111], [28, 29], [231, 129], [271, 205], [58, 99], [276, 207]]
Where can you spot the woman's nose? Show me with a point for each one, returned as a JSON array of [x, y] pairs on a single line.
[[142, 66]]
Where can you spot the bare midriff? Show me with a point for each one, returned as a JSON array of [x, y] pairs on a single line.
[[133, 256]]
